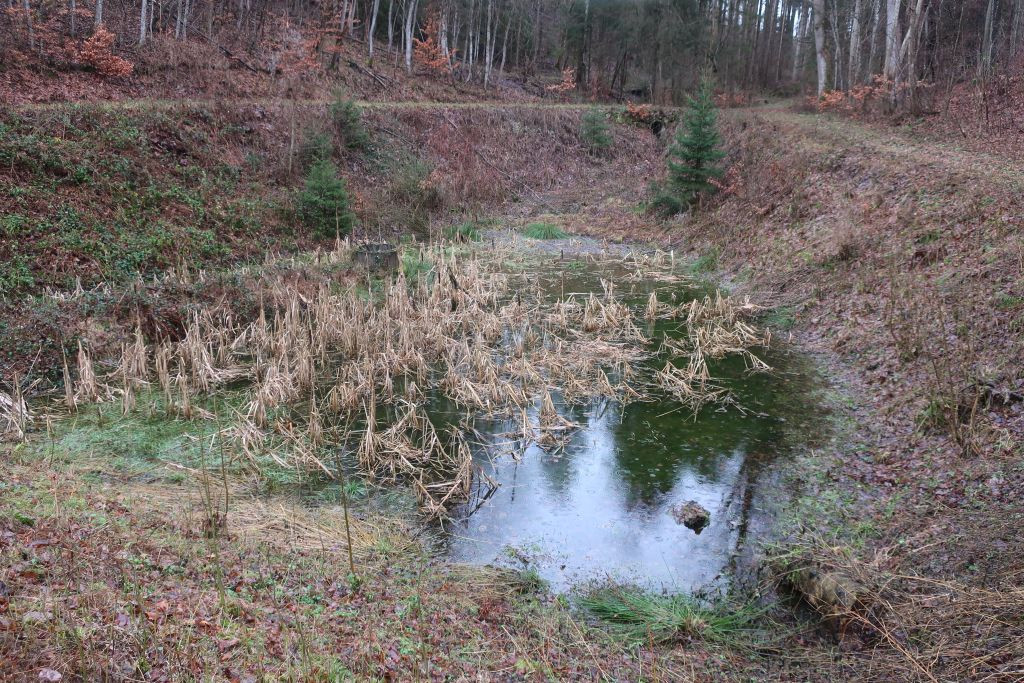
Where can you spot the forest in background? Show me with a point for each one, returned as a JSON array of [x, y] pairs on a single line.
[[898, 52]]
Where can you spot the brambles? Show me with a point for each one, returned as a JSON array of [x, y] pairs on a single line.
[[323, 204], [646, 116], [544, 231], [595, 133]]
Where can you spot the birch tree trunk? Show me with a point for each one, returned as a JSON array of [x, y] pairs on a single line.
[[799, 35], [391, 25], [142, 22], [853, 77], [98, 20], [988, 41], [892, 40], [876, 33], [410, 26], [819, 44], [373, 26], [489, 44]]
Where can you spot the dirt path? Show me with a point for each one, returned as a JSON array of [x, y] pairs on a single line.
[[158, 104], [894, 144]]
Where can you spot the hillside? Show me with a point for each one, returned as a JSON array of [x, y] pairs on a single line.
[[891, 258]]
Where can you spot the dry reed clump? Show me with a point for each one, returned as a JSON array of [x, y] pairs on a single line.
[[327, 367], [14, 414]]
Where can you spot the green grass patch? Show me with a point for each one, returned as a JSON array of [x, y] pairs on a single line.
[[544, 231], [414, 266], [643, 617], [467, 231], [780, 318], [706, 262], [145, 441], [1008, 302]]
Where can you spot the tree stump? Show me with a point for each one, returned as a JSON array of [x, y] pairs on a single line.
[[376, 256]]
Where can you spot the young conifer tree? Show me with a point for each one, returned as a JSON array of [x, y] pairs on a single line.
[[693, 158]]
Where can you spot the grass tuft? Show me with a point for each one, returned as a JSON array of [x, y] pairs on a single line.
[[544, 231], [706, 262], [644, 617], [467, 231], [415, 265]]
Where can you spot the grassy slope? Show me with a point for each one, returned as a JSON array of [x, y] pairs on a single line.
[[898, 260], [101, 193]]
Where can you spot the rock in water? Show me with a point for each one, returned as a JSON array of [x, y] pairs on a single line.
[[691, 515]]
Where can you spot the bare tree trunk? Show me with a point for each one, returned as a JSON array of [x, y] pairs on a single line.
[[489, 45], [788, 20], [892, 40], [28, 18], [391, 25], [142, 22], [410, 26], [504, 48], [853, 77], [769, 27], [350, 22], [1017, 28], [837, 57], [442, 30], [373, 26], [98, 20], [799, 35], [910, 49], [988, 41], [819, 44], [876, 33], [467, 53]]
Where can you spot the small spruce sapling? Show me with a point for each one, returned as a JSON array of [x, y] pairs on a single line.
[[693, 157], [348, 122], [594, 132], [323, 204]]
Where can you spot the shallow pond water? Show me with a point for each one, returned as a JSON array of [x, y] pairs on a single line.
[[601, 507]]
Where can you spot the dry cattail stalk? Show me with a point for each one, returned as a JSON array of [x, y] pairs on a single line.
[[88, 388], [14, 413], [69, 389]]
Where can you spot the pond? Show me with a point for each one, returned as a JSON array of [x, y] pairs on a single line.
[[601, 507]]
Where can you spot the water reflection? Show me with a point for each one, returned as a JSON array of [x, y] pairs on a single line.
[[601, 507]]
